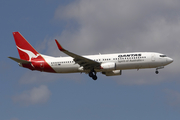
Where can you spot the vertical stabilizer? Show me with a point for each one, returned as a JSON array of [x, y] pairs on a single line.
[[26, 51]]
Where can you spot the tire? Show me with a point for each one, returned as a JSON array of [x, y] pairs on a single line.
[[94, 77], [157, 72], [90, 74]]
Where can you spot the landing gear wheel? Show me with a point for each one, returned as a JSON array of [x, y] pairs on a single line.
[[94, 77], [157, 72], [90, 74]]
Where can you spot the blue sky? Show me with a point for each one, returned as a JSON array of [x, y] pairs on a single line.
[[90, 27]]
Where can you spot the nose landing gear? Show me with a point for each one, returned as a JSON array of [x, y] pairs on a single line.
[[157, 72]]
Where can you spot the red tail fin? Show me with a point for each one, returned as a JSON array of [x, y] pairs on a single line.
[[26, 51]]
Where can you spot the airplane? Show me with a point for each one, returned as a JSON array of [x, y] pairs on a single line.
[[107, 64]]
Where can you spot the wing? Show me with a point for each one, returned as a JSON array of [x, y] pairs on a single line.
[[87, 64]]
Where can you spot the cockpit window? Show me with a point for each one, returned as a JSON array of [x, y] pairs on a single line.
[[163, 56]]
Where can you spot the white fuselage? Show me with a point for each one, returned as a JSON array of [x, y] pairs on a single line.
[[123, 61]]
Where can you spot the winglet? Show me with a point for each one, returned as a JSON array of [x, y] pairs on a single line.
[[59, 46]]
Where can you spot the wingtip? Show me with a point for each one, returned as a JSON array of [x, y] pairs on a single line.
[[59, 46]]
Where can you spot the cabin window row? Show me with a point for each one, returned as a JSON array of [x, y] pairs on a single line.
[[105, 59], [62, 62], [126, 58]]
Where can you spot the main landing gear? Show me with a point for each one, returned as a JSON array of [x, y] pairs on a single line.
[[92, 74]]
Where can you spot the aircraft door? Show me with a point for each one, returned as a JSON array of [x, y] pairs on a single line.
[[153, 57]]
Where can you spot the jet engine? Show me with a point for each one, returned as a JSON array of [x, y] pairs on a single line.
[[112, 73], [108, 66]]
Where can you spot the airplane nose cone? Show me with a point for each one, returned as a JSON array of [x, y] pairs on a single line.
[[170, 60]]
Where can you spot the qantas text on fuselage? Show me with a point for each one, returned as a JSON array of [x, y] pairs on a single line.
[[107, 64]]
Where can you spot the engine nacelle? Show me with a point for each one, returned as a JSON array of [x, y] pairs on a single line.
[[81, 68], [108, 66], [113, 73]]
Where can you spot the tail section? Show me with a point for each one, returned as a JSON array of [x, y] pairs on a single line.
[[26, 51], [29, 57]]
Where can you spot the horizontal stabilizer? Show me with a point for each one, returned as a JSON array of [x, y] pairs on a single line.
[[19, 60]]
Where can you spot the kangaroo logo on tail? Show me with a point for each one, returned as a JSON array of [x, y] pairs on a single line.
[[30, 54]]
